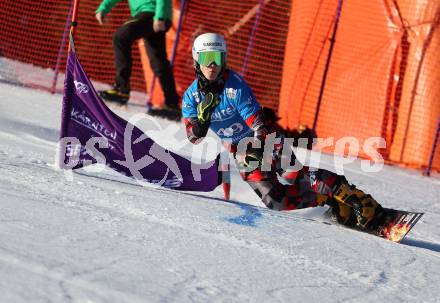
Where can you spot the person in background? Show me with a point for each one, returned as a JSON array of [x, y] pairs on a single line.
[[219, 99], [150, 20]]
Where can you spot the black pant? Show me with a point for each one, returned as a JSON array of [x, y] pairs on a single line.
[[141, 26]]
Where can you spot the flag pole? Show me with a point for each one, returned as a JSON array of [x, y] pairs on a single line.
[[327, 64], [226, 182], [61, 49], [74, 22], [225, 171], [427, 172], [66, 103]]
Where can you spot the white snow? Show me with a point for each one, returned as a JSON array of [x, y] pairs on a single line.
[[100, 237]]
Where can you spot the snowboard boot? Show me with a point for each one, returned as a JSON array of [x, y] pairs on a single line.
[[116, 95], [365, 208], [170, 112], [344, 214]]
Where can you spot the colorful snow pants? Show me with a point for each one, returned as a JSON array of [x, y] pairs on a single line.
[[300, 189], [280, 189]]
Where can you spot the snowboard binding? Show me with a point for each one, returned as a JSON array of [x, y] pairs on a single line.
[[353, 201]]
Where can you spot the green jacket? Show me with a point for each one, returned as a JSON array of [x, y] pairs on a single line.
[[162, 9]]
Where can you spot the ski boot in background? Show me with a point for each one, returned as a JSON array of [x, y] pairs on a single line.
[[170, 112], [116, 95]]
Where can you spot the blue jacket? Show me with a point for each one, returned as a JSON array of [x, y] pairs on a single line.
[[230, 119]]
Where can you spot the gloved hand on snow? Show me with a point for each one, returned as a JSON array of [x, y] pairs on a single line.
[[253, 158]]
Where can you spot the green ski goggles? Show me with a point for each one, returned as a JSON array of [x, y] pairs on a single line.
[[207, 58]]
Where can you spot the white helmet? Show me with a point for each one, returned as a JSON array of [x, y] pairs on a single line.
[[211, 43]]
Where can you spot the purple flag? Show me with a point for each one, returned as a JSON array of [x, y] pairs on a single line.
[[92, 133]]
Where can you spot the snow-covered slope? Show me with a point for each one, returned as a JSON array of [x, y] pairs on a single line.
[[101, 237]]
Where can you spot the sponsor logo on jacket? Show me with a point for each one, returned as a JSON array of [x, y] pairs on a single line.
[[196, 96], [231, 93], [231, 130], [223, 114]]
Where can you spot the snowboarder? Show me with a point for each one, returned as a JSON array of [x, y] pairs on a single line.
[[219, 99]]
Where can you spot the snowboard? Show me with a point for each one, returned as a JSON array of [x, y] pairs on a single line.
[[393, 225]]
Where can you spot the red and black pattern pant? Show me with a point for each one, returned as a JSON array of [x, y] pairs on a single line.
[[288, 190]]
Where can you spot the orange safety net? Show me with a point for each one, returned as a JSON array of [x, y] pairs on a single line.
[[419, 110], [365, 92], [32, 32], [382, 78], [94, 45], [257, 57], [42, 37]]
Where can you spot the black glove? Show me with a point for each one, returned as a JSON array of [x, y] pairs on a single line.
[[253, 158], [206, 107]]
